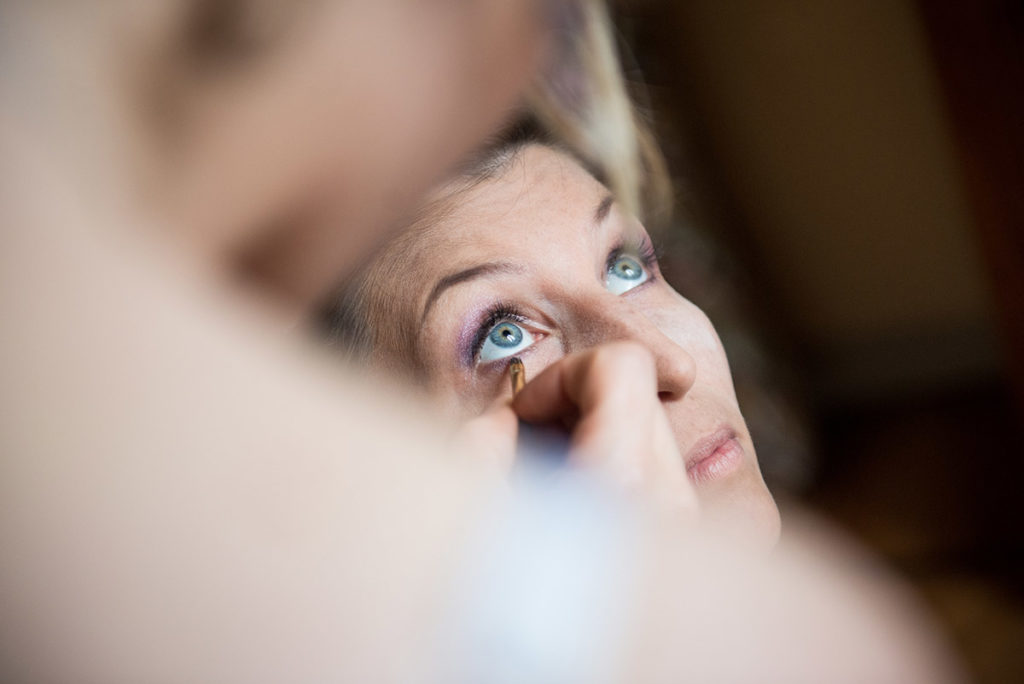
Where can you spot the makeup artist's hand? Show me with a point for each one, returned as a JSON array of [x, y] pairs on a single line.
[[608, 397], [491, 436]]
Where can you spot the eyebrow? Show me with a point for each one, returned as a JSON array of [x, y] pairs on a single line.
[[604, 207], [463, 276]]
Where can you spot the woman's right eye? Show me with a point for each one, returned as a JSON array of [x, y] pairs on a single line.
[[503, 340]]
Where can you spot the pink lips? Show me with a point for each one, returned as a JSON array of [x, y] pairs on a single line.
[[716, 455]]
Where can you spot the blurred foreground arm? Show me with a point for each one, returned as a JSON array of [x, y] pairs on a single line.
[[188, 499], [187, 495]]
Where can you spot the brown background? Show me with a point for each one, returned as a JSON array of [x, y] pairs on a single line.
[[851, 182]]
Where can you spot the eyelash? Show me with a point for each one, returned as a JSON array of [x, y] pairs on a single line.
[[642, 248], [497, 314]]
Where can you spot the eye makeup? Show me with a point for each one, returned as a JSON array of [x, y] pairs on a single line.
[[498, 313], [639, 246]]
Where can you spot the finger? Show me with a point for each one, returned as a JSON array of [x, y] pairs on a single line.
[[608, 393], [620, 428], [601, 378], [491, 436]]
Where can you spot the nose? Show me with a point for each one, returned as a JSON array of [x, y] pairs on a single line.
[[677, 371], [614, 320]]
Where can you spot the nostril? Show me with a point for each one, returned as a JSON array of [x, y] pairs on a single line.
[[677, 371]]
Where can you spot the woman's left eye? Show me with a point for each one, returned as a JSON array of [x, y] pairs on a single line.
[[625, 273], [503, 340]]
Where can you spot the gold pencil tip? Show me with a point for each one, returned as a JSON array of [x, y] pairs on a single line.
[[517, 374]]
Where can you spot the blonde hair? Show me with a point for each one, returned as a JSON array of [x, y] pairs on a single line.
[[579, 105], [582, 99]]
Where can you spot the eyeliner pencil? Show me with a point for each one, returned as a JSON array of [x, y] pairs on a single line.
[[537, 443], [517, 374]]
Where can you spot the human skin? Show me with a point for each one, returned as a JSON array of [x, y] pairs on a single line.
[[184, 483], [186, 493], [282, 153], [538, 250]]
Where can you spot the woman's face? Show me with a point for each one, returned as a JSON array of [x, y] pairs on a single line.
[[537, 263]]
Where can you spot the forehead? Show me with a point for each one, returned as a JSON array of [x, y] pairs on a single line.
[[541, 196], [539, 206]]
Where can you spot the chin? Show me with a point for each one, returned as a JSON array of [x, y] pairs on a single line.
[[766, 524], [748, 515]]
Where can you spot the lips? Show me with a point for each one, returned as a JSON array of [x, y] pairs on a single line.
[[714, 456]]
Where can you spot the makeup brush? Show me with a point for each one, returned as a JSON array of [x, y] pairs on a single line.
[[548, 443], [517, 374]]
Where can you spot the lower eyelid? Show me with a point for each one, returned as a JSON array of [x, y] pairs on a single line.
[[505, 360]]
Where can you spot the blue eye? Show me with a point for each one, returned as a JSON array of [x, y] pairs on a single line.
[[504, 339], [625, 273]]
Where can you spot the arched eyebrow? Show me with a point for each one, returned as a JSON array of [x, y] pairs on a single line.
[[463, 276], [603, 209]]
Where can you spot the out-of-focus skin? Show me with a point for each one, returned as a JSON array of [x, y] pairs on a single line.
[[401, 87], [183, 488], [539, 241], [283, 145], [186, 493], [814, 610]]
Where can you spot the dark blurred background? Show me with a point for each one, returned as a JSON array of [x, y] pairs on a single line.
[[851, 185]]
